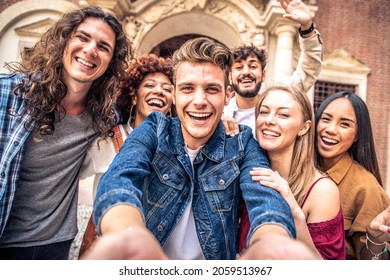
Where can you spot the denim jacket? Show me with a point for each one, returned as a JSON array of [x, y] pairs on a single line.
[[153, 172]]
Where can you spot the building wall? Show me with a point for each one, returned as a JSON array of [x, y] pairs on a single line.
[[362, 29]]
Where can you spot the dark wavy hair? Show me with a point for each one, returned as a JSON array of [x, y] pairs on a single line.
[[363, 149], [42, 86], [141, 67], [242, 53]]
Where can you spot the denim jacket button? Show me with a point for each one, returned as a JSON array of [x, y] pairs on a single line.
[[160, 228], [165, 177], [221, 182]]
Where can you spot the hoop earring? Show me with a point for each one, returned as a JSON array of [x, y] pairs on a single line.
[[131, 116]]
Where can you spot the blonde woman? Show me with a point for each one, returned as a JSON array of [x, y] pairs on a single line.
[[285, 129]]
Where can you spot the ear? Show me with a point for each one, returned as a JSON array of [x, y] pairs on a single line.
[[263, 76], [228, 94], [134, 100], [173, 95], [305, 129]]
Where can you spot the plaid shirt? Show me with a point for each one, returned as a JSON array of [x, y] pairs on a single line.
[[12, 138]]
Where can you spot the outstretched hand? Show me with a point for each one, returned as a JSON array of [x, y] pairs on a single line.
[[130, 244], [298, 12], [380, 226]]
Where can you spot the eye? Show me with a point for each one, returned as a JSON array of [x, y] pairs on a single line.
[[104, 48], [148, 86], [186, 89], [167, 89], [212, 90], [284, 115], [82, 38], [325, 119], [263, 112], [345, 124]]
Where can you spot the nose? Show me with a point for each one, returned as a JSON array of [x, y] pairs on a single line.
[[270, 119], [200, 98], [91, 49], [157, 89], [245, 69], [331, 128]]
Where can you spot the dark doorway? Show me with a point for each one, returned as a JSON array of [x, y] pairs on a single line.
[[168, 47]]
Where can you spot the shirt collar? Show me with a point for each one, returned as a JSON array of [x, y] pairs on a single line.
[[340, 169], [214, 148]]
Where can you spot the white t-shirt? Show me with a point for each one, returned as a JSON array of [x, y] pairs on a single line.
[[243, 116], [183, 244]]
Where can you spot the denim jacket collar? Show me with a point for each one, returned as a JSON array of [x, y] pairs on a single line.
[[214, 149]]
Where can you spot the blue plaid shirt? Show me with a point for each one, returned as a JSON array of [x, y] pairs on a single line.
[[12, 138]]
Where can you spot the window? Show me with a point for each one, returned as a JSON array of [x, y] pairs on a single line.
[[324, 89]]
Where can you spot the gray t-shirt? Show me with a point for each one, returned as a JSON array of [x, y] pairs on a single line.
[[44, 210]]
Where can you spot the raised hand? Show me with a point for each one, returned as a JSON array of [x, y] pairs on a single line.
[[298, 12]]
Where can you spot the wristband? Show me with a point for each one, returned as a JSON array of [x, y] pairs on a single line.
[[307, 31]]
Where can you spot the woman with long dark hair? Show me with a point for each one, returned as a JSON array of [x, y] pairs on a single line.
[[345, 150]]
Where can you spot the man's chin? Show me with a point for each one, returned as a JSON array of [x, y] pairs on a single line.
[[247, 94]]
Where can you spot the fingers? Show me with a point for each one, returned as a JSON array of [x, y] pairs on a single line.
[[230, 125], [284, 4], [269, 178]]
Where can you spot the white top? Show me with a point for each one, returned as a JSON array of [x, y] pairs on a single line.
[[243, 116], [99, 158], [183, 244]]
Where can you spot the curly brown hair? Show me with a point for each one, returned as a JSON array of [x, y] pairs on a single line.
[[42, 86], [242, 53], [141, 67]]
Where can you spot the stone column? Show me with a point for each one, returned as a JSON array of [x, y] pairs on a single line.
[[284, 52]]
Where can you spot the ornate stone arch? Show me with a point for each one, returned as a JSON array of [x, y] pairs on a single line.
[[154, 36], [230, 22]]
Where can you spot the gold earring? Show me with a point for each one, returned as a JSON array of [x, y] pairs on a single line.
[[132, 114]]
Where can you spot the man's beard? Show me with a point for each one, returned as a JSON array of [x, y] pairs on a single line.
[[249, 93]]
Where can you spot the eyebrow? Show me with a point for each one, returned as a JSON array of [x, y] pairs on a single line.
[[89, 36], [192, 83], [153, 80], [253, 60], [343, 119], [279, 108]]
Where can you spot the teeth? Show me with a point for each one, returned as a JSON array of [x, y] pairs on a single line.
[[246, 81], [86, 63], [328, 140], [270, 133], [200, 115], [156, 102]]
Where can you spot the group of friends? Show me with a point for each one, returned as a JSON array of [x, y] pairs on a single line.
[[192, 158]]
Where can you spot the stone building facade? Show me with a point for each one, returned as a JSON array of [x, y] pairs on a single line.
[[354, 32]]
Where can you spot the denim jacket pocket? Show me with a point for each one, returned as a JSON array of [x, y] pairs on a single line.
[[166, 182], [219, 186]]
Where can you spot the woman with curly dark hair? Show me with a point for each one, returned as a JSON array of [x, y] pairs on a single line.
[[53, 104], [148, 88]]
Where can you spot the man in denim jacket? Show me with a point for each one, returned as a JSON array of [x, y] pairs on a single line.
[[176, 183]]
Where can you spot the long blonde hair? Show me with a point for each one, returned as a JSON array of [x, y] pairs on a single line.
[[303, 168]]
